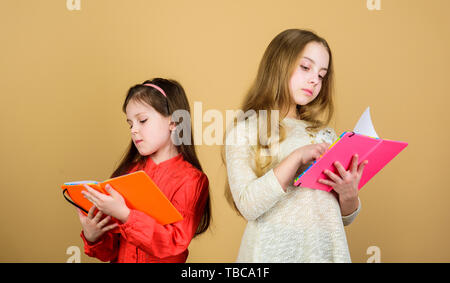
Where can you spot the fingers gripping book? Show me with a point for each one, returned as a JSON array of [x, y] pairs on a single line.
[[364, 141], [138, 190]]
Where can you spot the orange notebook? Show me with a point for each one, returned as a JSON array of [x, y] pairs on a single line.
[[138, 190]]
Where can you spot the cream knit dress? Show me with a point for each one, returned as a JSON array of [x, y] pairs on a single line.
[[299, 225]]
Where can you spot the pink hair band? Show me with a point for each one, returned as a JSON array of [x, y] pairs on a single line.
[[157, 87]]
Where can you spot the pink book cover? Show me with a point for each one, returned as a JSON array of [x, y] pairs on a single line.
[[377, 151], [364, 141]]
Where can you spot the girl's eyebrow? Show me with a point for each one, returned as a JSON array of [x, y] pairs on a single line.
[[326, 69]]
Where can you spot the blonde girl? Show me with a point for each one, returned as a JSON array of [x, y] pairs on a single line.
[[287, 223]]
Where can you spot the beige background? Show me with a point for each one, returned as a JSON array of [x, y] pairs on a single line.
[[64, 75]]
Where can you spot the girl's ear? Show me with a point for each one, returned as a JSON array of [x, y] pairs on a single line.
[[172, 125]]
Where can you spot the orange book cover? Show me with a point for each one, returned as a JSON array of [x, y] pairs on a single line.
[[138, 190]]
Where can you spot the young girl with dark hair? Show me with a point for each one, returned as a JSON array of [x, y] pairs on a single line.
[[174, 168]]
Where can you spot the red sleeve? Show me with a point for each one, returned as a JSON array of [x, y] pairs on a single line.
[[105, 249], [162, 241]]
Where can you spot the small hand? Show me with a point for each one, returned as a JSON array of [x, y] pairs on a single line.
[[347, 184], [310, 153], [94, 226], [112, 205]]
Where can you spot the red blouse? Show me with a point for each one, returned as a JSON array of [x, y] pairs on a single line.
[[141, 238]]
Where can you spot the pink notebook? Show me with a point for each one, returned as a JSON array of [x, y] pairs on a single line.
[[378, 152]]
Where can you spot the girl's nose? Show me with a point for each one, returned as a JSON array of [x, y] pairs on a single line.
[[134, 130], [314, 79]]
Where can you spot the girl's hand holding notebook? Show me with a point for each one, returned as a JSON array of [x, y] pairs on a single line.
[[113, 204], [363, 141], [94, 226], [131, 191]]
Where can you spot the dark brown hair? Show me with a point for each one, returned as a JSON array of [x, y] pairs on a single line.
[[176, 100]]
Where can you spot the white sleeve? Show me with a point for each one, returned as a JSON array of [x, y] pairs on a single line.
[[253, 196], [348, 219]]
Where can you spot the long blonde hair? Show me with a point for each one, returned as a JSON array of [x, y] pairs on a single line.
[[270, 91]]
